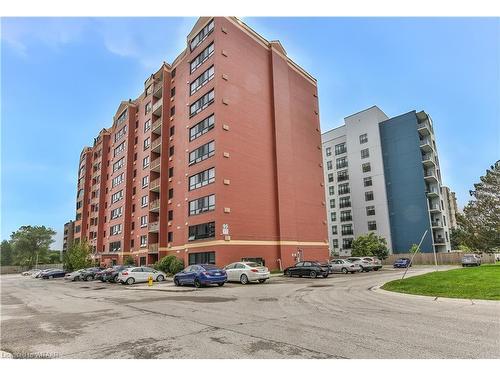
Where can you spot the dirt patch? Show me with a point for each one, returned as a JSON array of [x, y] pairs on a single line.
[[268, 299]]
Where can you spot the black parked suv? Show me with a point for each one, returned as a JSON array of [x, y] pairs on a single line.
[[307, 268], [90, 273], [111, 274]]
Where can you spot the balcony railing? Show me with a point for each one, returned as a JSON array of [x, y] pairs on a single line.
[[156, 128], [153, 248], [155, 165], [425, 143], [155, 145], [156, 106], [154, 205], [155, 184], [158, 90], [439, 240], [347, 232], [153, 226], [345, 218], [345, 205]]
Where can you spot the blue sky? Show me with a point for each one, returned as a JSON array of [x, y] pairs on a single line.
[[63, 78]]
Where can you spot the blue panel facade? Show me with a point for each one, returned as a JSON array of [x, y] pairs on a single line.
[[404, 179]]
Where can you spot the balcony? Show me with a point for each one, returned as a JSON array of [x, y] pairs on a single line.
[[156, 128], [155, 185], [157, 108], [439, 241], [158, 90], [433, 192], [154, 206], [430, 175], [153, 226], [426, 145], [424, 128], [153, 248], [434, 208], [428, 160], [155, 165], [156, 145]]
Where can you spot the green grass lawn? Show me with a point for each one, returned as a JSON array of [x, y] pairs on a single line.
[[470, 282]]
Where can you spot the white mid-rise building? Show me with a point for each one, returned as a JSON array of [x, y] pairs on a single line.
[[382, 175]]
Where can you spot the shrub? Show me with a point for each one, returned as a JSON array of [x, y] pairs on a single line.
[[177, 265], [164, 263], [129, 261]]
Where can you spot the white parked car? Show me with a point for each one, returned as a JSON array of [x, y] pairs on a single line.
[[30, 272], [366, 266], [375, 262], [244, 272], [133, 275], [344, 266], [74, 276]]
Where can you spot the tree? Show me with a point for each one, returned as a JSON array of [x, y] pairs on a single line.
[[481, 218], [176, 266], [77, 256], [31, 243], [129, 261], [164, 263], [458, 237], [6, 252], [413, 249], [370, 245]]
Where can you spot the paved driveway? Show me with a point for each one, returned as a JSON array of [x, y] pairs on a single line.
[[338, 317]]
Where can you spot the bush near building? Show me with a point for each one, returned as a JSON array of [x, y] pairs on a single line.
[[170, 264]]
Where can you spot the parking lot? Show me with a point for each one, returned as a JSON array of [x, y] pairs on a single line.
[[343, 316]]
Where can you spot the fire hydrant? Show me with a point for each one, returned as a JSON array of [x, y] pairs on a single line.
[[150, 281]]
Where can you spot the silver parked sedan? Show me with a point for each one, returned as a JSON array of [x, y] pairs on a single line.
[[244, 272], [344, 266]]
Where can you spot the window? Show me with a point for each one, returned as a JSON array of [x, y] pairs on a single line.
[[342, 175], [331, 190], [202, 258], [148, 107], [170, 193], [117, 165], [202, 80], [363, 138], [149, 90], [117, 196], [122, 117], [172, 74], [172, 110], [172, 92], [201, 153], [172, 130], [119, 149], [144, 201], [202, 57], [369, 196], [330, 177], [332, 203], [344, 189], [77, 229], [171, 172], [117, 180], [370, 210], [340, 149], [201, 205], [170, 215], [115, 229], [202, 103], [145, 181], [202, 35], [347, 230], [78, 205], [334, 229], [347, 243], [147, 143], [345, 202], [341, 162], [202, 127], [329, 165], [144, 240], [328, 151], [114, 246], [145, 162], [144, 221], [202, 179], [335, 243], [366, 167], [372, 225], [200, 231], [171, 151], [170, 236], [365, 153], [117, 212], [345, 215], [367, 181], [334, 216]]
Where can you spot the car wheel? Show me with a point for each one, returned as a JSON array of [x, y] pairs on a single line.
[[51, 277], [177, 282], [89, 278], [220, 284], [77, 278], [325, 275], [344, 270], [115, 279], [361, 269], [262, 281], [160, 278], [197, 283], [375, 269], [288, 273], [130, 281], [244, 279], [313, 274]]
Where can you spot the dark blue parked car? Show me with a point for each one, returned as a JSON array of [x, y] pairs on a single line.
[[402, 263], [200, 275], [53, 274]]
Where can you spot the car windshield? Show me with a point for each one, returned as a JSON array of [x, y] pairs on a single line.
[[209, 267], [252, 264]]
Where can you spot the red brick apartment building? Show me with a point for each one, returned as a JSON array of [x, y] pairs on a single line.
[[218, 160]]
